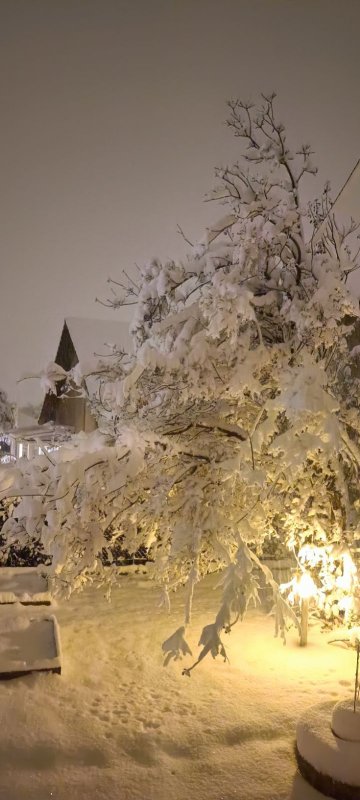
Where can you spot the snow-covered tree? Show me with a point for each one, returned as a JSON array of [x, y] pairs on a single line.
[[235, 420], [6, 412]]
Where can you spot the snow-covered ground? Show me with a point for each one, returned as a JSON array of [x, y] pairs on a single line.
[[117, 724]]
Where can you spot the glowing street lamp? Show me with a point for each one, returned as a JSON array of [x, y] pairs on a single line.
[[335, 596], [303, 588]]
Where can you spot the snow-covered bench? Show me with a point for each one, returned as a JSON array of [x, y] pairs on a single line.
[[28, 644], [29, 639], [25, 585]]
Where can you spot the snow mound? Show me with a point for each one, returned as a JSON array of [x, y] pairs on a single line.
[[345, 722], [326, 753]]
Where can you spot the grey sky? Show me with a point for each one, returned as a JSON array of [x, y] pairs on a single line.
[[112, 122]]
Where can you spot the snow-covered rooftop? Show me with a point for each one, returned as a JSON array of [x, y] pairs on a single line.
[[47, 432]]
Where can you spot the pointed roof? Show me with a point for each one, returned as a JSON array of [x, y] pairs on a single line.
[[348, 200], [92, 339], [347, 203], [85, 342]]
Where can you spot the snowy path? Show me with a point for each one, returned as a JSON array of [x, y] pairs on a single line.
[[117, 724]]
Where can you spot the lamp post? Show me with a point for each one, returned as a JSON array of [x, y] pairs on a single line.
[[305, 589]]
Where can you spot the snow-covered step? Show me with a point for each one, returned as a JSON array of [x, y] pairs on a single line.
[[26, 585], [28, 644]]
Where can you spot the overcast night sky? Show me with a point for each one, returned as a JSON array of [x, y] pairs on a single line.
[[112, 121]]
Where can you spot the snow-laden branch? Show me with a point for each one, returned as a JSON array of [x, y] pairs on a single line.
[[235, 421]]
